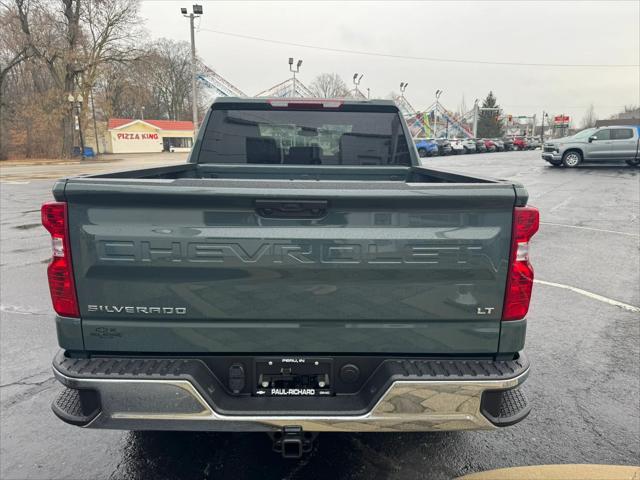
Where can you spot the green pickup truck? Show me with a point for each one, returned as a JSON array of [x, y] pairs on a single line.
[[300, 273]]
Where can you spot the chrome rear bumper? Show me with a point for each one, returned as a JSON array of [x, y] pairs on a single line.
[[177, 404]]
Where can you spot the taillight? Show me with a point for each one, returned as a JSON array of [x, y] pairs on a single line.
[[526, 221], [60, 272]]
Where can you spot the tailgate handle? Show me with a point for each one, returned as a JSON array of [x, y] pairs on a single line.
[[292, 208]]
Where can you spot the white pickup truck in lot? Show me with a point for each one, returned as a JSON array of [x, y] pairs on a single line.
[[604, 144]]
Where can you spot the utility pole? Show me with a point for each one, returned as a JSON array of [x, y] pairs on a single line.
[[542, 128], [197, 11], [296, 70], [194, 83]]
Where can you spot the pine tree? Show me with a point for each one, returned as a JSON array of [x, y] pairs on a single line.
[[489, 123]]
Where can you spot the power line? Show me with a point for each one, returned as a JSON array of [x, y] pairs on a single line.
[[410, 57]]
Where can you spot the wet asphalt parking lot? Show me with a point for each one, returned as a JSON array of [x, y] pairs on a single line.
[[584, 349]]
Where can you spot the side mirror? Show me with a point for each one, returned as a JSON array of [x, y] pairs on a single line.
[[592, 138]]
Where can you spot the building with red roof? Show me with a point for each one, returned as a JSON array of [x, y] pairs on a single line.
[[127, 135]]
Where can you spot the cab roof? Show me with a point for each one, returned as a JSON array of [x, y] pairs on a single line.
[[378, 105]]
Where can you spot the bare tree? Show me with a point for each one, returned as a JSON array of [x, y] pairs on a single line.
[[329, 85], [51, 49], [590, 117], [13, 51], [630, 111], [73, 40], [170, 77], [112, 33]]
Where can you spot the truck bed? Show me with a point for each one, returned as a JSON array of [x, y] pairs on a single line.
[[360, 174]]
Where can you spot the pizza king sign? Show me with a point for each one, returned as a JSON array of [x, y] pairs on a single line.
[[138, 136]]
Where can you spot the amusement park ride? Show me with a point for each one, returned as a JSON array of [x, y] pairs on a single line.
[[436, 121], [433, 122], [214, 85]]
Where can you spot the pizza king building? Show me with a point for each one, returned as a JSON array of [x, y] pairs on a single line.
[[126, 135]]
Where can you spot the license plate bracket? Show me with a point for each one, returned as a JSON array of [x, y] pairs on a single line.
[[293, 377]]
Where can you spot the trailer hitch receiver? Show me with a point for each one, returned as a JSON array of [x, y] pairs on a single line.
[[292, 441]]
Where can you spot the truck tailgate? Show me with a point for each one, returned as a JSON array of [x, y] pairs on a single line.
[[169, 266]]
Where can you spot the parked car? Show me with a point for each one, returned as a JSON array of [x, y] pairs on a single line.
[[174, 149], [457, 146], [508, 144], [480, 146], [427, 147], [534, 142], [204, 317], [444, 146], [520, 143], [605, 144], [491, 147], [469, 145], [499, 144]]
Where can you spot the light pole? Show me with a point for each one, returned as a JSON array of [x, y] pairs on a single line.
[[475, 118], [296, 70], [76, 108], [435, 113], [142, 112], [403, 87], [533, 127], [356, 82], [197, 11], [95, 126], [544, 115], [71, 99]]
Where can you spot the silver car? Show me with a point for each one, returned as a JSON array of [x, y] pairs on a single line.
[[605, 144]]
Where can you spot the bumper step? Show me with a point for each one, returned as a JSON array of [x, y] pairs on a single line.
[[507, 407], [409, 369], [78, 407]]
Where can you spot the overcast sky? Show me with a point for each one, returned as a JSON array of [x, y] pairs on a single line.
[[595, 32]]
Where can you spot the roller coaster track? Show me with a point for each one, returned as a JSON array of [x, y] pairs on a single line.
[[286, 89], [218, 85]]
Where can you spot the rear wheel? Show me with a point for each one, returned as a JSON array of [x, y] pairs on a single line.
[[571, 159], [422, 152]]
